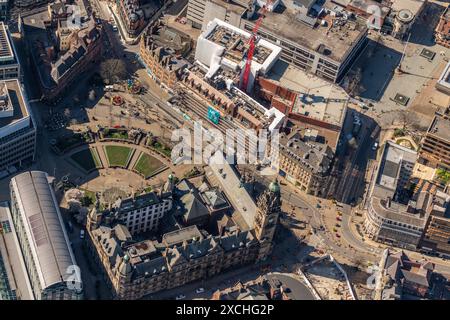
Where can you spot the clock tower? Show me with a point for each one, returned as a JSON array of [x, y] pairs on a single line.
[[266, 220]]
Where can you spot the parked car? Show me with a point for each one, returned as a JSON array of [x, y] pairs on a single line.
[[200, 290], [81, 234], [180, 297]]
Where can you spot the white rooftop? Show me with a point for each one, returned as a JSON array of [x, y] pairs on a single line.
[[212, 53]]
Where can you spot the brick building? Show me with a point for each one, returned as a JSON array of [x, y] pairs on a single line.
[[442, 32], [60, 52], [435, 150], [162, 58]]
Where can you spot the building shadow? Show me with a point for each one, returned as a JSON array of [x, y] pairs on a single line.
[[422, 31], [376, 67]]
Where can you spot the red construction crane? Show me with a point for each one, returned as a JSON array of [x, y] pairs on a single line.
[[251, 46]]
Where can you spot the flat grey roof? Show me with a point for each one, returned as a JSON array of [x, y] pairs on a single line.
[[42, 219], [330, 102], [178, 236], [18, 102], [440, 127], [391, 162], [230, 6], [283, 22]]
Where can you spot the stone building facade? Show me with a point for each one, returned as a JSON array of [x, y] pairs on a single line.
[[134, 269]]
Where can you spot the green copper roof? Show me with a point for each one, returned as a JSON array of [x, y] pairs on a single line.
[[274, 186]]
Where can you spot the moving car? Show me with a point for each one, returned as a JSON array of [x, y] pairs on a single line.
[[69, 226], [200, 290], [375, 146], [81, 234], [180, 297]]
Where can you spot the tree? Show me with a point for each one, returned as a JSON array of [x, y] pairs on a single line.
[[112, 70], [74, 205], [86, 201], [408, 120], [443, 175]]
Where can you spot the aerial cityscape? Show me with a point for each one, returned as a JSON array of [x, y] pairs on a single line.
[[224, 150]]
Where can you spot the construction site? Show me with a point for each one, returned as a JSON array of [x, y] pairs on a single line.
[[327, 279]]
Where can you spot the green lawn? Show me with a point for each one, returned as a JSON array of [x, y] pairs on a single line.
[[87, 159], [147, 165], [118, 155]]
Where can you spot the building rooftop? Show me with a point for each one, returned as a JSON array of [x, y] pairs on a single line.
[[316, 98], [51, 64], [235, 45], [165, 36], [440, 127], [224, 89], [222, 44], [237, 7], [391, 162], [399, 267], [397, 212], [314, 156], [229, 182], [335, 39], [43, 222], [14, 280], [364, 5], [137, 202], [177, 237], [13, 108], [412, 5]]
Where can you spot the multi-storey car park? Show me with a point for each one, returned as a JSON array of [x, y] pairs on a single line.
[[17, 128]]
